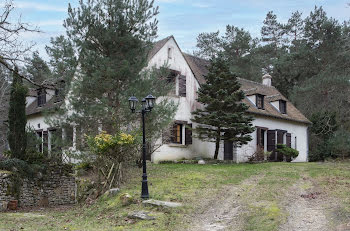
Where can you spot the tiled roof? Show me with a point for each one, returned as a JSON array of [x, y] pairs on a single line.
[[271, 94], [49, 105], [157, 46], [32, 92], [198, 66]]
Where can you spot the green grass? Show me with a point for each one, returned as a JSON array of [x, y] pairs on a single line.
[[190, 184]]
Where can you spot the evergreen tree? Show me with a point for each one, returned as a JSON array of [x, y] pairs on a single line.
[[224, 115], [237, 45], [63, 60], [113, 38], [272, 32], [295, 27], [17, 119], [37, 68]]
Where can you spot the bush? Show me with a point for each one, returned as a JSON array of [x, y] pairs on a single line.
[[110, 152], [21, 167], [287, 151]]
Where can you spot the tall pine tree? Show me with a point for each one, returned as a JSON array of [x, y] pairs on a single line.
[[224, 115], [17, 137]]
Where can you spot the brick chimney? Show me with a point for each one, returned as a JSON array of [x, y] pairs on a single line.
[[266, 80]]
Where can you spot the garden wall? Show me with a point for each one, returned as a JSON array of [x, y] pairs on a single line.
[[56, 186]]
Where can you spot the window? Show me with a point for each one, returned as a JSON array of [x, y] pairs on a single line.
[[41, 97], [177, 134], [40, 140], [171, 79], [260, 137], [283, 107], [170, 53], [58, 95], [260, 101], [182, 85]]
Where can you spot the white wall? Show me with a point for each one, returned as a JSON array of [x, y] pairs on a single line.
[[299, 130], [185, 104]]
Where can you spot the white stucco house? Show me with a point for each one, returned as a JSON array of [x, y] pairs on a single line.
[[276, 119]]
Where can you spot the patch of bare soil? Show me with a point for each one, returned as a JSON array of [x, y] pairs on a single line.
[[306, 205], [224, 210]]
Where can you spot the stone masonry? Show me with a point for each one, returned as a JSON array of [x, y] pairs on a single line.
[[55, 187]]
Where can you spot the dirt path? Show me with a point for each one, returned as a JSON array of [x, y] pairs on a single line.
[[224, 210], [306, 207]]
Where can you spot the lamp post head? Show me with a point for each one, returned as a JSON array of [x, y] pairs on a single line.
[[144, 104], [150, 100], [132, 103]]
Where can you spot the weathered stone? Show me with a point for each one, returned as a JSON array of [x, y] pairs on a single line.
[[142, 215], [165, 204], [58, 189], [3, 206], [44, 202], [126, 199], [112, 192], [201, 162]]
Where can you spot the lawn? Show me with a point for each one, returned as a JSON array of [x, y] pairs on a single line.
[[263, 191]]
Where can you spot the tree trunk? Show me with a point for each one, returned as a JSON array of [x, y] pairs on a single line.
[[217, 144]]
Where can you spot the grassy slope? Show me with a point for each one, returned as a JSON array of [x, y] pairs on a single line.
[[191, 184]]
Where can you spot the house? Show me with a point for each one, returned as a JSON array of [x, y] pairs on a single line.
[[276, 119]]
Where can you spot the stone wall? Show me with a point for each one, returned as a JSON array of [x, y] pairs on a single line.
[[55, 187]]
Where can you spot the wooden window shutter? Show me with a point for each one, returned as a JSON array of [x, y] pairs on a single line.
[[271, 138], [258, 136], [279, 137], [182, 85], [289, 140], [188, 134]]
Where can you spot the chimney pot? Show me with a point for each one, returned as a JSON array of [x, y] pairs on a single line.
[[266, 80]]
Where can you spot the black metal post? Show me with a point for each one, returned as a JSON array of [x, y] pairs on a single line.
[[144, 193]]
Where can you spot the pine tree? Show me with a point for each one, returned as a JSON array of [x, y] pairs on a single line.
[[17, 119], [237, 45], [295, 27], [272, 32], [62, 58], [37, 68], [113, 38], [224, 115]]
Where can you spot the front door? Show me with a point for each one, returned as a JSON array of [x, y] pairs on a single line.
[[228, 150]]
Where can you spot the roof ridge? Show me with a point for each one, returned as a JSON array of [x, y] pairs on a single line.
[[251, 81]]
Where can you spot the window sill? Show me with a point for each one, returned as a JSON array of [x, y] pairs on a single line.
[[177, 145]]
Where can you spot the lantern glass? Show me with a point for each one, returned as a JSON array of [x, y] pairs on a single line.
[[132, 103], [144, 104], [150, 101]]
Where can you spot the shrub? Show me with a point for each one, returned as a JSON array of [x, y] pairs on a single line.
[[287, 151], [110, 151]]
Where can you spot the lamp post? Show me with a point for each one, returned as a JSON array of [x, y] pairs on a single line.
[[147, 105]]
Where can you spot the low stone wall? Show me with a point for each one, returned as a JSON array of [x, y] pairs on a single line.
[[56, 187]]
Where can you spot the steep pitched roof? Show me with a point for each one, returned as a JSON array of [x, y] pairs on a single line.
[[271, 94], [33, 108], [198, 66], [157, 46]]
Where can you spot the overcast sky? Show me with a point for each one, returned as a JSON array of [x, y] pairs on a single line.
[[184, 19]]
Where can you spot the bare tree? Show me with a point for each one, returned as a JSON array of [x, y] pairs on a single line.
[[12, 48]]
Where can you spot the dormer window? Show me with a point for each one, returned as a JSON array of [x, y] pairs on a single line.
[[259, 101], [283, 106], [58, 95], [41, 97]]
